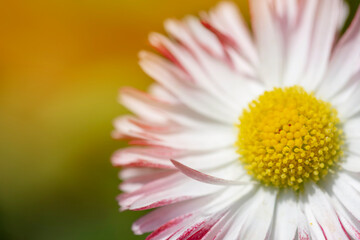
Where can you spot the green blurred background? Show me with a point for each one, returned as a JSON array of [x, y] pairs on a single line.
[[61, 65]]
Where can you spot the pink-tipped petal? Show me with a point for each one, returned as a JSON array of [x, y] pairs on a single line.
[[323, 35], [205, 178], [350, 224], [162, 94], [170, 226], [303, 232], [269, 42], [227, 20], [169, 190], [344, 61], [173, 137], [154, 110], [160, 216], [321, 214], [202, 102]]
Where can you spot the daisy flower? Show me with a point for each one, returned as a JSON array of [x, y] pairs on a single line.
[[247, 134]]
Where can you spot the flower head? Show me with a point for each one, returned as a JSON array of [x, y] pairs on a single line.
[[247, 135], [288, 137]]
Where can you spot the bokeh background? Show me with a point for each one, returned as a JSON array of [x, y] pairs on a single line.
[[61, 65]]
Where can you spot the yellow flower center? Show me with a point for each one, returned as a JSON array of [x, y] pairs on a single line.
[[288, 136]]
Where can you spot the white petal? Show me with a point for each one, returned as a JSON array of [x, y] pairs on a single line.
[[285, 219], [351, 107], [241, 65], [126, 199], [347, 195], [345, 94], [257, 225], [352, 128], [209, 159], [354, 146], [353, 179], [351, 162], [195, 159], [132, 99], [131, 173], [141, 157], [135, 183]]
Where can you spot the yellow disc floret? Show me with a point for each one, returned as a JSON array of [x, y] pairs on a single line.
[[288, 136]]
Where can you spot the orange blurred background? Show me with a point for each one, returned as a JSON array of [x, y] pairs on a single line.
[[61, 65]]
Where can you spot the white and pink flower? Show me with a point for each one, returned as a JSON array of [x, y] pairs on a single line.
[[184, 160]]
